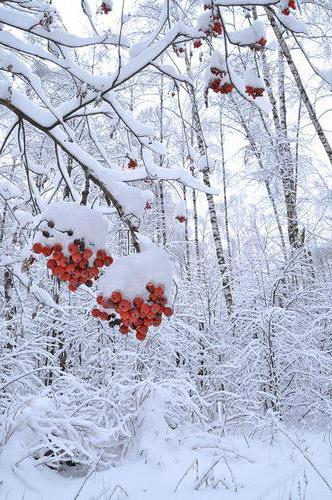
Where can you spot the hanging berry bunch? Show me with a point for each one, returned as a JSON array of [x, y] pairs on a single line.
[[260, 44], [134, 292], [132, 164], [255, 86], [216, 26], [287, 5], [105, 7], [181, 218], [149, 199], [221, 88], [181, 211], [209, 22], [259, 37], [136, 315], [72, 238], [254, 91], [75, 265], [218, 79], [253, 36]]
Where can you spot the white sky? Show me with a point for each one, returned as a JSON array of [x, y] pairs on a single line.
[[76, 21]]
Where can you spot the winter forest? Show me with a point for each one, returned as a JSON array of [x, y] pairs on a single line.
[[165, 250]]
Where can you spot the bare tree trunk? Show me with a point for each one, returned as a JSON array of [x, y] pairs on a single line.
[[224, 273], [286, 166], [3, 222], [186, 239], [8, 282], [162, 210], [218, 247], [194, 200], [287, 171], [223, 163], [10, 309], [197, 250], [161, 163], [273, 378]]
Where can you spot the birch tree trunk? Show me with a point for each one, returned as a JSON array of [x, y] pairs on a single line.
[[223, 164], [223, 269], [197, 250], [286, 163], [288, 168], [161, 163], [195, 214], [186, 239]]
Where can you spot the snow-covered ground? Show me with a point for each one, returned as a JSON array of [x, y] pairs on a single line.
[[203, 468]]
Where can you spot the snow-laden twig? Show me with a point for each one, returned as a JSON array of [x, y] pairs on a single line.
[[87, 477], [193, 466], [305, 456]]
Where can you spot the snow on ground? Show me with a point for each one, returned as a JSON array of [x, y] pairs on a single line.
[[245, 469]]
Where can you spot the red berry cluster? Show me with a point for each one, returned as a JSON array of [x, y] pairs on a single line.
[[132, 164], [259, 45], [222, 88], [197, 43], [75, 269], [262, 42], [137, 315], [212, 25], [291, 5], [254, 91], [217, 25], [181, 218], [148, 205], [214, 28], [105, 8], [216, 84]]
